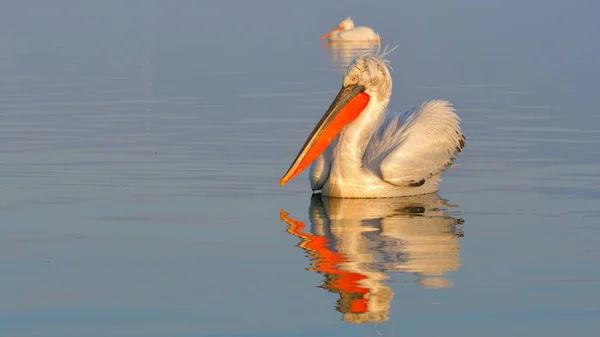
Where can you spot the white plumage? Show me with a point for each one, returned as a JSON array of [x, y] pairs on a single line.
[[418, 146]]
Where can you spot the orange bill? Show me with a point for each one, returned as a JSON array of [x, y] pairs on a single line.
[[348, 105], [331, 32]]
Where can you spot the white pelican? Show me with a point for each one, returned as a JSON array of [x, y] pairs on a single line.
[[347, 32], [360, 150]]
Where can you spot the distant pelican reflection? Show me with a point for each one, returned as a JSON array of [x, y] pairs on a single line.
[[354, 243], [342, 52]]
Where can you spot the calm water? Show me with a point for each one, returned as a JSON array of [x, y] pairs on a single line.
[[142, 144]]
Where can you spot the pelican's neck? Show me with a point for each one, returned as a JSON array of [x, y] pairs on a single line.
[[353, 139]]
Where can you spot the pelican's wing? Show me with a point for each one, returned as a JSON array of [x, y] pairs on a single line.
[[319, 170], [420, 144]]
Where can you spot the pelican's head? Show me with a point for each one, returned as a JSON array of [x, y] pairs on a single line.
[[347, 24], [370, 72], [344, 25], [365, 78]]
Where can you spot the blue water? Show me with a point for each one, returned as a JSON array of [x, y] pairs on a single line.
[[142, 144]]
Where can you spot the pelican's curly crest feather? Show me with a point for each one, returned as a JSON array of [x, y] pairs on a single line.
[[375, 66]]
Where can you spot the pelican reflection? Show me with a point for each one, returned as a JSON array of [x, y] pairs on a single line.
[[344, 52], [355, 243]]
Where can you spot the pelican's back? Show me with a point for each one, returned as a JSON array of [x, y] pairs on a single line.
[[360, 33], [421, 144]]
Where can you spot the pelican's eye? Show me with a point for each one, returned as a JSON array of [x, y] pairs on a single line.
[[353, 79]]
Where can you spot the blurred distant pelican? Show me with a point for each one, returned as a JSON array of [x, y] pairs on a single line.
[[355, 243], [347, 32], [360, 150]]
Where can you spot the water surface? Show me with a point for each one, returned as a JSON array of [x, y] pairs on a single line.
[[142, 144]]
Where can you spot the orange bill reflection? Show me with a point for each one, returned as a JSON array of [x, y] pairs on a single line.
[[356, 243]]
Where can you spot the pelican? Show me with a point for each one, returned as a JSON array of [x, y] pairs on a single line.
[[360, 150], [347, 32]]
